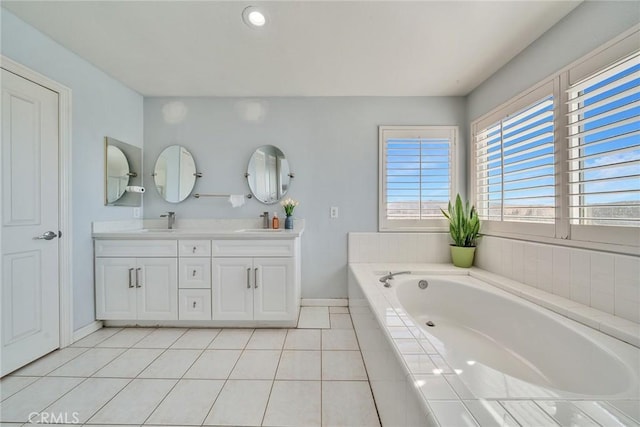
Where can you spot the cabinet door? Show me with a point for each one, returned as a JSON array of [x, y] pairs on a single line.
[[194, 273], [232, 288], [115, 288], [274, 291], [157, 289]]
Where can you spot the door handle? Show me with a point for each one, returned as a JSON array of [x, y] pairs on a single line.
[[138, 284], [255, 278], [248, 278], [47, 235], [130, 280]]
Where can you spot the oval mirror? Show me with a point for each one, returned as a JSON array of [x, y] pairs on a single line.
[[175, 173], [117, 173], [268, 174]]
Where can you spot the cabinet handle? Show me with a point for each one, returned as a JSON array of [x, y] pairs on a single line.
[[255, 278], [194, 249], [130, 280], [194, 273], [194, 304], [248, 278], [138, 284]]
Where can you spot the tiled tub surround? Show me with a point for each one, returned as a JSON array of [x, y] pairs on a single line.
[[408, 358]]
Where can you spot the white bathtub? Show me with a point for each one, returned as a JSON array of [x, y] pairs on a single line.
[[503, 346]]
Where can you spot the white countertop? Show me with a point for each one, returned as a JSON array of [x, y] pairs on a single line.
[[193, 229]]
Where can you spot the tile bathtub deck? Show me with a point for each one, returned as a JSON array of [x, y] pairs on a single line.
[[171, 376]]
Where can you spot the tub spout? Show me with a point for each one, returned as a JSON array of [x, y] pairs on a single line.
[[385, 279]]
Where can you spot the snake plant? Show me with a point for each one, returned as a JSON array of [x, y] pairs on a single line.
[[464, 224]]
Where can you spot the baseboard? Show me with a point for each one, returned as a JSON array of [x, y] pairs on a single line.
[[86, 330], [324, 302]]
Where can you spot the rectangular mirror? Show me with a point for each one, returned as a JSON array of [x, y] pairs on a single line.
[[122, 173]]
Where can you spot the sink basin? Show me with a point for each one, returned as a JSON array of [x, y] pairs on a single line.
[[261, 230]]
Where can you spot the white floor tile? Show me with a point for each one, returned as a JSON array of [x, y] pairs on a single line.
[[214, 364], [196, 338], [127, 337], [566, 413], [294, 403], [314, 317], [134, 403], [256, 365], [160, 338], [343, 365], [88, 397], [240, 403], [130, 363], [267, 339], [302, 339], [171, 364], [188, 403], [340, 321], [51, 361], [490, 413], [96, 338], [35, 397], [340, 310], [348, 403], [299, 365], [87, 363], [339, 339], [231, 339], [12, 384]]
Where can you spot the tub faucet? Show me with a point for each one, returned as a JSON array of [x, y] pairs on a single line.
[[265, 220], [385, 279], [171, 219]]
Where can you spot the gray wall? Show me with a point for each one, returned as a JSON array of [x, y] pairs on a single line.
[[587, 27], [332, 145], [101, 107]]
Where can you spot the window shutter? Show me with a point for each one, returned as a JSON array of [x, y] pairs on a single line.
[[604, 146]]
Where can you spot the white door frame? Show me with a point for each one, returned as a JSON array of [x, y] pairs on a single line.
[[64, 182]]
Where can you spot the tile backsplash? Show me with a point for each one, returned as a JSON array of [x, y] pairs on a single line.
[[604, 281], [607, 282]]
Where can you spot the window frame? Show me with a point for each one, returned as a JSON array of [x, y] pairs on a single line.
[[413, 225], [612, 238]]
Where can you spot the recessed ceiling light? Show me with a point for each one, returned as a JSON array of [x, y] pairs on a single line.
[[254, 17]]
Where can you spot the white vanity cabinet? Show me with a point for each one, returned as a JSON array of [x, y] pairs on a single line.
[[260, 287], [194, 281], [136, 280]]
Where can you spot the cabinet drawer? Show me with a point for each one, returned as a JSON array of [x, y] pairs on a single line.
[[195, 304], [195, 273], [136, 248], [194, 248], [251, 248]]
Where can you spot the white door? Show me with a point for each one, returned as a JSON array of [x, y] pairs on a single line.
[[115, 288], [232, 288], [274, 293], [157, 289], [30, 304]]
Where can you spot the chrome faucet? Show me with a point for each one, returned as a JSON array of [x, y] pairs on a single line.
[[171, 219], [265, 220], [385, 279]]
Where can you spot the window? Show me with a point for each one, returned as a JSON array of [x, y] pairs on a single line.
[[563, 160], [416, 176], [604, 146]]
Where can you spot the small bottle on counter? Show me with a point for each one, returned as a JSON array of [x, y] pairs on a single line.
[[275, 223]]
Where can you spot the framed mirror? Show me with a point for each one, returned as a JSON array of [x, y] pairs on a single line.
[[175, 173], [121, 163], [268, 174]]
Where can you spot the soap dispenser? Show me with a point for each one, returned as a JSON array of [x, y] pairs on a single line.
[[275, 223]]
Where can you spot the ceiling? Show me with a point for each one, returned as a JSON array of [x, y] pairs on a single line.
[[307, 48]]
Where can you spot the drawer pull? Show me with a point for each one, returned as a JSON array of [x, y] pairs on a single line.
[[248, 278], [130, 279], [194, 273], [194, 304], [194, 249], [255, 278], [138, 283]]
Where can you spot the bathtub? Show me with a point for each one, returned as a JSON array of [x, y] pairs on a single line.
[[489, 357], [503, 346]]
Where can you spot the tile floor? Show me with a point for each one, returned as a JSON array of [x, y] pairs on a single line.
[[310, 376]]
